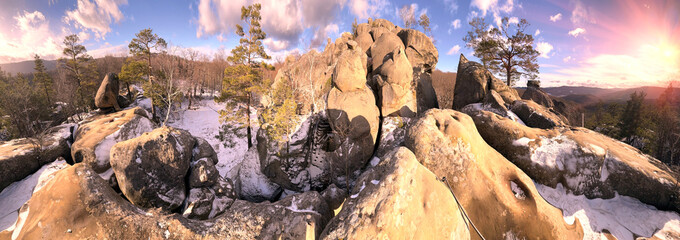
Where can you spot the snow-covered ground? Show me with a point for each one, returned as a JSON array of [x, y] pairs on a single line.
[[17, 193], [624, 217], [203, 120]]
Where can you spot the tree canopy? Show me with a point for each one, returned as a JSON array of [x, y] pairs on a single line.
[[506, 50]]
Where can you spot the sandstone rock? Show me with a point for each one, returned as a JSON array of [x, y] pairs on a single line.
[[365, 41], [363, 28], [204, 150], [95, 136], [334, 196], [392, 135], [356, 128], [398, 199], [377, 32], [498, 197], [396, 69], [349, 74], [537, 95], [396, 100], [382, 46], [534, 115], [584, 162], [420, 50], [22, 157], [494, 101], [382, 23], [473, 82], [203, 173], [251, 183], [107, 94], [426, 96], [151, 168], [199, 203], [79, 201]]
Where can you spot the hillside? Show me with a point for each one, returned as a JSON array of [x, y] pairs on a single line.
[[26, 66]]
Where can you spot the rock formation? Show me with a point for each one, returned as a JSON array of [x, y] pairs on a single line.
[[473, 83], [107, 94], [585, 162], [95, 136], [499, 198]]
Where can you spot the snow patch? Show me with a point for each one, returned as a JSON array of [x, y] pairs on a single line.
[[18, 193], [524, 141], [363, 185], [519, 193], [293, 207], [375, 161], [623, 216]]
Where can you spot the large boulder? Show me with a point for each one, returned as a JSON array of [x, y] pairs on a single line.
[[398, 199], [537, 95], [473, 83], [384, 45], [151, 168], [96, 135], [583, 161], [22, 157], [498, 197], [426, 96], [395, 84], [420, 50], [77, 204], [364, 41], [537, 116], [350, 73], [250, 181], [107, 94], [354, 119]]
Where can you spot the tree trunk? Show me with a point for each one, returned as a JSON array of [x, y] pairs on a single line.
[[507, 76], [148, 75], [250, 142]]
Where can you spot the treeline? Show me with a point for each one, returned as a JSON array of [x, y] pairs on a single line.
[[653, 126], [169, 75]]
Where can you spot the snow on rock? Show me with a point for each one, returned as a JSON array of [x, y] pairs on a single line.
[[254, 185], [16, 194], [624, 217], [392, 134], [204, 121]]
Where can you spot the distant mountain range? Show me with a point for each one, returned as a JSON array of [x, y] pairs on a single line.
[[591, 95], [26, 66]]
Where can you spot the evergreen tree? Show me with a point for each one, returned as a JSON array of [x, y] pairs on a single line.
[[667, 127], [243, 80], [81, 69], [504, 50], [143, 45], [424, 22], [278, 119], [44, 80], [633, 122], [132, 72]]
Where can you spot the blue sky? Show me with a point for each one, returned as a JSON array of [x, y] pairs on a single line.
[[606, 43]]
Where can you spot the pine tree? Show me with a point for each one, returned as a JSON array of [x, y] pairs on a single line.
[[131, 73], [143, 45], [504, 50], [667, 127], [424, 22], [633, 123], [278, 119], [243, 80], [44, 80], [81, 69]]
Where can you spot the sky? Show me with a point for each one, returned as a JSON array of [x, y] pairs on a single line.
[[603, 43]]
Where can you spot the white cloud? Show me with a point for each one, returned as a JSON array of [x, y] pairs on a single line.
[[96, 16], [577, 31], [567, 59], [581, 14], [648, 66], [544, 49], [538, 31], [456, 24], [364, 9], [30, 35], [275, 45], [109, 50], [453, 50], [320, 36], [494, 7], [513, 20], [556, 17], [451, 5]]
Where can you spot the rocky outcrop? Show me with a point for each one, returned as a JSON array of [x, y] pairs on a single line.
[[534, 93], [534, 115], [419, 49], [394, 80], [96, 135], [107, 94], [584, 162], [22, 157], [350, 71], [151, 168], [251, 183], [354, 119], [398, 199], [473, 83], [77, 204], [384, 45], [498, 197]]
